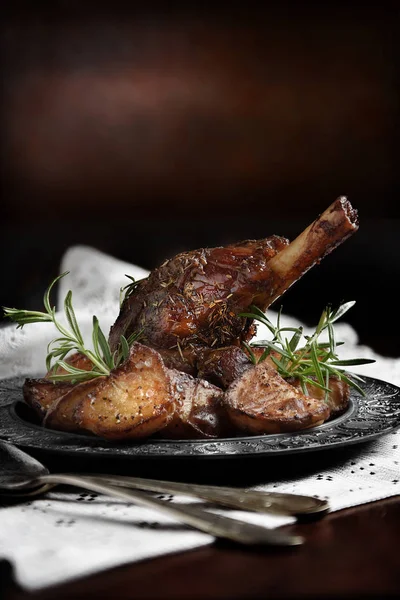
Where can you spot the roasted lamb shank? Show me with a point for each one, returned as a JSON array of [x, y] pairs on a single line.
[[188, 313], [192, 302]]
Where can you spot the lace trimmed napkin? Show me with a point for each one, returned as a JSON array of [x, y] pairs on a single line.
[[66, 535]]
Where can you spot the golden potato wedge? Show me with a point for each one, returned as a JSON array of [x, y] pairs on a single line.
[[338, 398], [41, 394], [62, 413], [261, 401], [198, 409], [134, 401], [77, 360]]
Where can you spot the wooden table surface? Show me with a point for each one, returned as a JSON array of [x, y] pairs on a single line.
[[353, 553], [350, 554]]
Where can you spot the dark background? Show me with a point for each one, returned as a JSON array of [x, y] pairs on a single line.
[[149, 131]]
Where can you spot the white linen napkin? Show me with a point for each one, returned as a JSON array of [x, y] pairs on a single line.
[[66, 535]]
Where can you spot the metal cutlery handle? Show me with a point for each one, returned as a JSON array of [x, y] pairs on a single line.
[[215, 525], [242, 498]]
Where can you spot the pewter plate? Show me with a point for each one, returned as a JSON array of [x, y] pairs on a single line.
[[367, 418]]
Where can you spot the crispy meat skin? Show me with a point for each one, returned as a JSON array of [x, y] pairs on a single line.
[[260, 401], [192, 301], [223, 366]]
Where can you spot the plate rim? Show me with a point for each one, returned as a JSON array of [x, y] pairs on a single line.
[[13, 428]]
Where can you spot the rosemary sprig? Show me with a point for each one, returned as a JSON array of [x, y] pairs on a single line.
[[316, 361], [128, 289], [101, 357]]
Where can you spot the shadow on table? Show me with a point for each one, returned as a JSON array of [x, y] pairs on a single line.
[[233, 471]]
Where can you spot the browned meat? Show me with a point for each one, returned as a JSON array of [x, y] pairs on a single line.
[[260, 401], [223, 366], [184, 360], [193, 301], [134, 401], [199, 411]]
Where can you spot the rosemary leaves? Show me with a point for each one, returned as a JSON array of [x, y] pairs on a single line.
[[314, 362], [71, 340]]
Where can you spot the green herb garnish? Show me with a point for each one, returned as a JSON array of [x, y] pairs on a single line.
[[127, 290], [101, 357], [316, 361]]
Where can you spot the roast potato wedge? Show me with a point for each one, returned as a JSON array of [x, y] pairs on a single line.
[[261, 401], [195, 412], [199, 412], [338, 398], [77, 360], [41, 394], [134, 401]]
